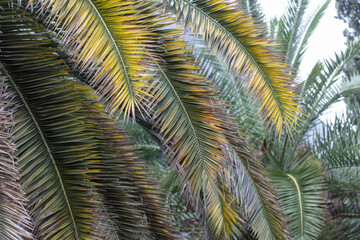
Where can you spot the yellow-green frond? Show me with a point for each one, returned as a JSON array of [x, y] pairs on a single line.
[[234, 35], [108, 41], [185, 120], [77, 188]]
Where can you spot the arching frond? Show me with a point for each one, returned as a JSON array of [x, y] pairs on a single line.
[[235, 36], [255, 9], [111, 48], [130, 195], [62, 138], [294, 29], [50, 141], [289, 26], [241, 104], [189, 129], [251, 186], [311, 23]]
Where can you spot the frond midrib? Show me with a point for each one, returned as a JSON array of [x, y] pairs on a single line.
[[253, 61], [300, 204], [116, 47], [44, 141], [184, 110]]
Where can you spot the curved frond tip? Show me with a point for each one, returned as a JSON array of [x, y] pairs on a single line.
[[235, 36]]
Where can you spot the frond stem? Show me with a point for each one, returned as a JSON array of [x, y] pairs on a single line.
[[300, 204]]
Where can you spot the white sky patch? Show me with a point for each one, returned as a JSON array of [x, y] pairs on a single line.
[[327, 39]]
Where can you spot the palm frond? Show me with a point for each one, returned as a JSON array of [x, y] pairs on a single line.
[[235, 36], [289, 26], [255, 9], [311, 24], [251, 185], [294, 29], [112, 48], [15, 221], [350, 86], [190, 131], [61, 135], [301, 195], [130, 194], [54, 166], [321, 91], [240, 103]]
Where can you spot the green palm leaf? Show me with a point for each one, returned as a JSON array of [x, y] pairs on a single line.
[[300, 191], [320, 90], [241, 104], [310, 26], [294, 30], [289, 25], [236, 37], [251, 186], [337, 145]]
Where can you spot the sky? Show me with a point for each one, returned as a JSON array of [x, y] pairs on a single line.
[[327, 39]]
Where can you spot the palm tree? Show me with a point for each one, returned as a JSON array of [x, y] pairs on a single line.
[[70, 171]]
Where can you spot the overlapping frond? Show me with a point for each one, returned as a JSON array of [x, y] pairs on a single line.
[[50, 141], [301, 195], [255, 9], [294, 29], [14, 219], [251, 186], [78, 186], [185, 121], [235, 36], [241, 104], [350, 86], [109, 42], [130, 195]]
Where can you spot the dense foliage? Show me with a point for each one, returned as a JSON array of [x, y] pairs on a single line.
[[166, 119]]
